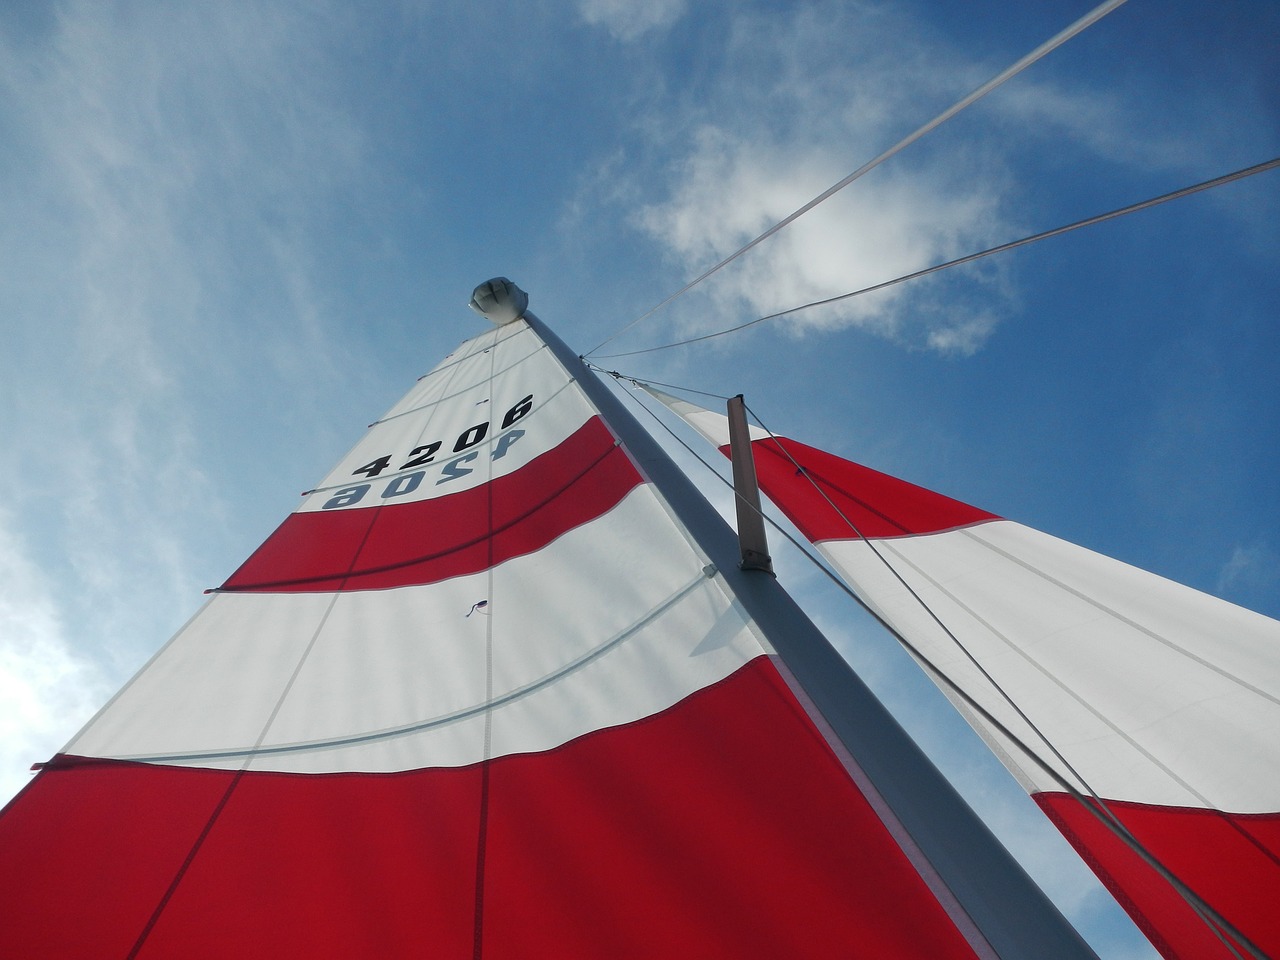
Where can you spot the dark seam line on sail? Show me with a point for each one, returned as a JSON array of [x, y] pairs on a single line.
[[430, 418], [482, 843], [362, 440], [486, 767], [447, 366], [1265, 850], [182, 870], [65, 762], [351, 567], [240, 773], [1216, 923], [226, 797], [425, 558], [439, 400], [355, 556]]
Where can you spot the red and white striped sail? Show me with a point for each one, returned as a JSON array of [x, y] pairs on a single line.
[[482, 694], [1162, 701]]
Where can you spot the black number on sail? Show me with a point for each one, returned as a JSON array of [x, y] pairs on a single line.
[[471, 436], [518, 411], [420, 456], [374, 467]]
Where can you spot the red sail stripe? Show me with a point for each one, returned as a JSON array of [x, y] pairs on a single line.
[[1231, 860], [431, 540], [722, 827], [874, 503]]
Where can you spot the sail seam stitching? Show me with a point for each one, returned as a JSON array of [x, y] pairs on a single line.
[[486, 772], [214, 816]]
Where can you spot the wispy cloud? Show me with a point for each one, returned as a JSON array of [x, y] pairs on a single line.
[[1251, 569], [163, 170], [731, 189], [808, 97], [628, 20], [46, 690]]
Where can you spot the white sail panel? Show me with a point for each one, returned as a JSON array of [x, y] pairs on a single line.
[[565, 662], [1126, 673]]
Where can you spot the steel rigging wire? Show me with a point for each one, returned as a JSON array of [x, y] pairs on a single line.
[[1008, 73], [1057, 231]]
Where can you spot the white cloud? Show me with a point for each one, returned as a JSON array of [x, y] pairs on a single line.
[[809, 98], [627, 20], [731, 188], [46, 691]]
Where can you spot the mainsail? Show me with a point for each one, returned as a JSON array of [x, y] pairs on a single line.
[[497, 690], [1143, 716]]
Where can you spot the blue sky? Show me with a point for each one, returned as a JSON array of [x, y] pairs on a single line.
[[234, 234]]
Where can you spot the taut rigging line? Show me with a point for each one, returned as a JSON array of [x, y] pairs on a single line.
[[1087, 222], [1097, 13]]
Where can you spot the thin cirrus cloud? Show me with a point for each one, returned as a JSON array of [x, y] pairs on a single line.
[[44, 686], [626, 20]]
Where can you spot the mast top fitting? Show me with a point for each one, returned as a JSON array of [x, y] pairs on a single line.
[[499, 301]]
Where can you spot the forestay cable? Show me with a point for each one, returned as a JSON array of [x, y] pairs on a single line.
[[1057, 231], [1008, 73]]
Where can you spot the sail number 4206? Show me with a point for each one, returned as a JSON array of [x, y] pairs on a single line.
[[405, 483]]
